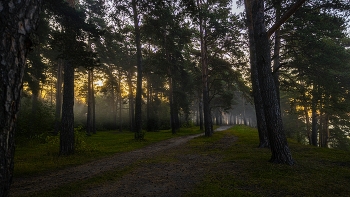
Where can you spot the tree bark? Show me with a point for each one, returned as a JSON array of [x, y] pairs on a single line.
[[258, 102], [276, 51], [314, 128], [113, 105], [277, 139], [173, 113], [308, 129], [120, 102], [58, 97], [90, 95], [138, 99], [171, 102], [67, 130], [324, 132], [208, 124], [200, 111], [131, 102], [93, 105], [285, 17], [314, 122], [18, 19]]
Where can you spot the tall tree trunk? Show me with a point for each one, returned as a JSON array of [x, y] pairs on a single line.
[[120, 102], [131, 102], [58, 96], [325, 130], [172, 107], [93, 105], [113, 107], [138, 99], [14, 45], [276, 51], [148, 105], [258, 102], [200, 111], [171, 88], [324, 123], [314, 119], [67, 138], [90, 95], [277, 139], [176, 114], [67, 132], [208, 124], [308, 129]]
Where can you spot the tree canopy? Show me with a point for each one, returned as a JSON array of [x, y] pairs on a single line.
[[144, 66]]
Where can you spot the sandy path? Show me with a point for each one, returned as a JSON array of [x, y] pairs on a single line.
[[188, 165]]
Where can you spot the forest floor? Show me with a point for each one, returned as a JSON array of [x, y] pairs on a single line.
[[166, 168]]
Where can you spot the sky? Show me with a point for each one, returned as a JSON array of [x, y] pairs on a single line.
[[237, 10]]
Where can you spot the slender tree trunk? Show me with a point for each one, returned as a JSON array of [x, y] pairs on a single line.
[[113, 107], [258, 102], [131, 102], [321, 131], [314, 120], [120, 103], [208, 124], [89, 106], [200, 111], [277, 139], [148, 105], [172, 107], [171, 98], [67, 132], [308, 129], [93, 104], [176, 114], [89, 121], [58, 97], [276, 53], [14, 45], [138, 99], [171, 89], [325, 130]]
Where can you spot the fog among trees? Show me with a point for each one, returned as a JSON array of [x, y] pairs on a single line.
[[282, 66]]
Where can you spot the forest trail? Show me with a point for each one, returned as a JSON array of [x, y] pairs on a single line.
[[151, 179]]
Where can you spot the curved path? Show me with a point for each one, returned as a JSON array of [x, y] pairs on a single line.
[[31, 185]]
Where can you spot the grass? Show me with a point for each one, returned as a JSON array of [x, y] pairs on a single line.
[[243, 169], [246, 172], [37, 158]]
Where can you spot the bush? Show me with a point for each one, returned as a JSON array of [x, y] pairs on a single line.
[[35, 123], [81, 145]]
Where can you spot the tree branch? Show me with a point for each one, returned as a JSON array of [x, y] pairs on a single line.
[[279, 66], [283, 18]]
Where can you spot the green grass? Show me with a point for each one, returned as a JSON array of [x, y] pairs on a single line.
[[318, 171], [34, 158], [241, 170]]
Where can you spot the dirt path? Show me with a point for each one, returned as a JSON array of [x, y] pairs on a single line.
[[151, 179]]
